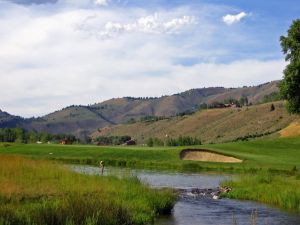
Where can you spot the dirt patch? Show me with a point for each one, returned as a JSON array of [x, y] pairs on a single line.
[[206, 156], [291, 131]]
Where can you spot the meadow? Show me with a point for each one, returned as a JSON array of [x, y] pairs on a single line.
[[46, 192]]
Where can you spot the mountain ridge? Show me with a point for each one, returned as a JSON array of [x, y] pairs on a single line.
[[82, 120]]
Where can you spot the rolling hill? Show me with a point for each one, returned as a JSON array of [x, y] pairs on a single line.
[[212, 125], [83, 120]]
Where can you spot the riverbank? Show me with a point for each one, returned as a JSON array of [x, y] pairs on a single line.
[[43, 192], [271, 165], [280, 191]]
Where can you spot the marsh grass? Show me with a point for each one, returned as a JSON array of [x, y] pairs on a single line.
[[43, 192], [276, 190]]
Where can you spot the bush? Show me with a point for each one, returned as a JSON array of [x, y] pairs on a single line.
[[112, 140], [183, 141], [272, 108], [150, 142]]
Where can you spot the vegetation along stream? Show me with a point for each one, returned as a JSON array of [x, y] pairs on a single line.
[[196, 206]]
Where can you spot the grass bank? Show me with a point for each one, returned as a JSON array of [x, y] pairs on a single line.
[[43, 192], [279, 191]]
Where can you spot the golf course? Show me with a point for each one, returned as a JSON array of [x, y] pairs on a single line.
[[267, 171]]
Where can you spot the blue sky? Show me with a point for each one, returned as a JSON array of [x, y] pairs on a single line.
[[56, 53]]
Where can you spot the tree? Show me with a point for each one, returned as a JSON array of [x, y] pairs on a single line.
[[32, 137], [243, 101], [290, 86], [20, 135], [150, 142]]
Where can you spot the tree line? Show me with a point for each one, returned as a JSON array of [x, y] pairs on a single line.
[[180, 141], [112, 140], [20, 135]]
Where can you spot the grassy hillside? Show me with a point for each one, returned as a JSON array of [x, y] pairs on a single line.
[[78, 120], [213, 125], [83, 120]]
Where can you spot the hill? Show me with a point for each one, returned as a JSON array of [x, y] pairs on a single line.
[[9, 121], [212, 125], [83, 120]]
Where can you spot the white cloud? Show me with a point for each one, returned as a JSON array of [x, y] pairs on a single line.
[[153, 24], [47, 64], [230, 19], [101, 2]]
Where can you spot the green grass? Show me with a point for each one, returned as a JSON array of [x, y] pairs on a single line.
[[273, 164], [280, 154], [44, 192], [280, 191]]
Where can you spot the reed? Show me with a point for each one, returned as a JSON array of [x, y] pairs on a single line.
[[43, 192], [280, 191]]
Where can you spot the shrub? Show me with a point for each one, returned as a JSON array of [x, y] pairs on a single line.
[[272, 108]]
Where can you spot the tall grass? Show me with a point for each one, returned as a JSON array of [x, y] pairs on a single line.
[[280, 191], [43, 192]]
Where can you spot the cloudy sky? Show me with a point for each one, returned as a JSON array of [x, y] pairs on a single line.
[[55, 53]]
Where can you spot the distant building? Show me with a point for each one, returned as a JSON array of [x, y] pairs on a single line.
[[232, 105], [65, 142], [130, 142]]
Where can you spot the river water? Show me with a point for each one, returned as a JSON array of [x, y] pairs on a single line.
[[193, 209]]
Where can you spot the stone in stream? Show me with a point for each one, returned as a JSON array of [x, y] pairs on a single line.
[[213, 193]]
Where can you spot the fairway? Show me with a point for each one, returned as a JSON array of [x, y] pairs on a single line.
[[274, 154]]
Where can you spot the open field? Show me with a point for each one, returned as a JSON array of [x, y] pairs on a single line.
[[272, 154], [43, 192]]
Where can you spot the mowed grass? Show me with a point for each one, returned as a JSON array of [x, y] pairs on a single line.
[[280, 154], [277, 154], [36, 191]]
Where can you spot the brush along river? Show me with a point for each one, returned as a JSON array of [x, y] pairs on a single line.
[[196, 206]]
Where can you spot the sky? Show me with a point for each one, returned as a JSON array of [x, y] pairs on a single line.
[[55, 53]]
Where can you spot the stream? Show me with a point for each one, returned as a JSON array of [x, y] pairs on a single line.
[[195, 209]]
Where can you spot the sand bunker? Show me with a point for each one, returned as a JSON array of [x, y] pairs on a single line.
[[206, 156]]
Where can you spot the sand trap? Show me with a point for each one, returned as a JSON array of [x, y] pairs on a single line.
[[206, 156]]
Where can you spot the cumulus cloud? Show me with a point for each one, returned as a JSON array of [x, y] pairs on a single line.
[[47, 64], [101, 2], [230, 19], [29, 2], [153, 24]]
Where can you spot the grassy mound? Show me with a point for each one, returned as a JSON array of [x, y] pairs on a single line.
[[43, 192]]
